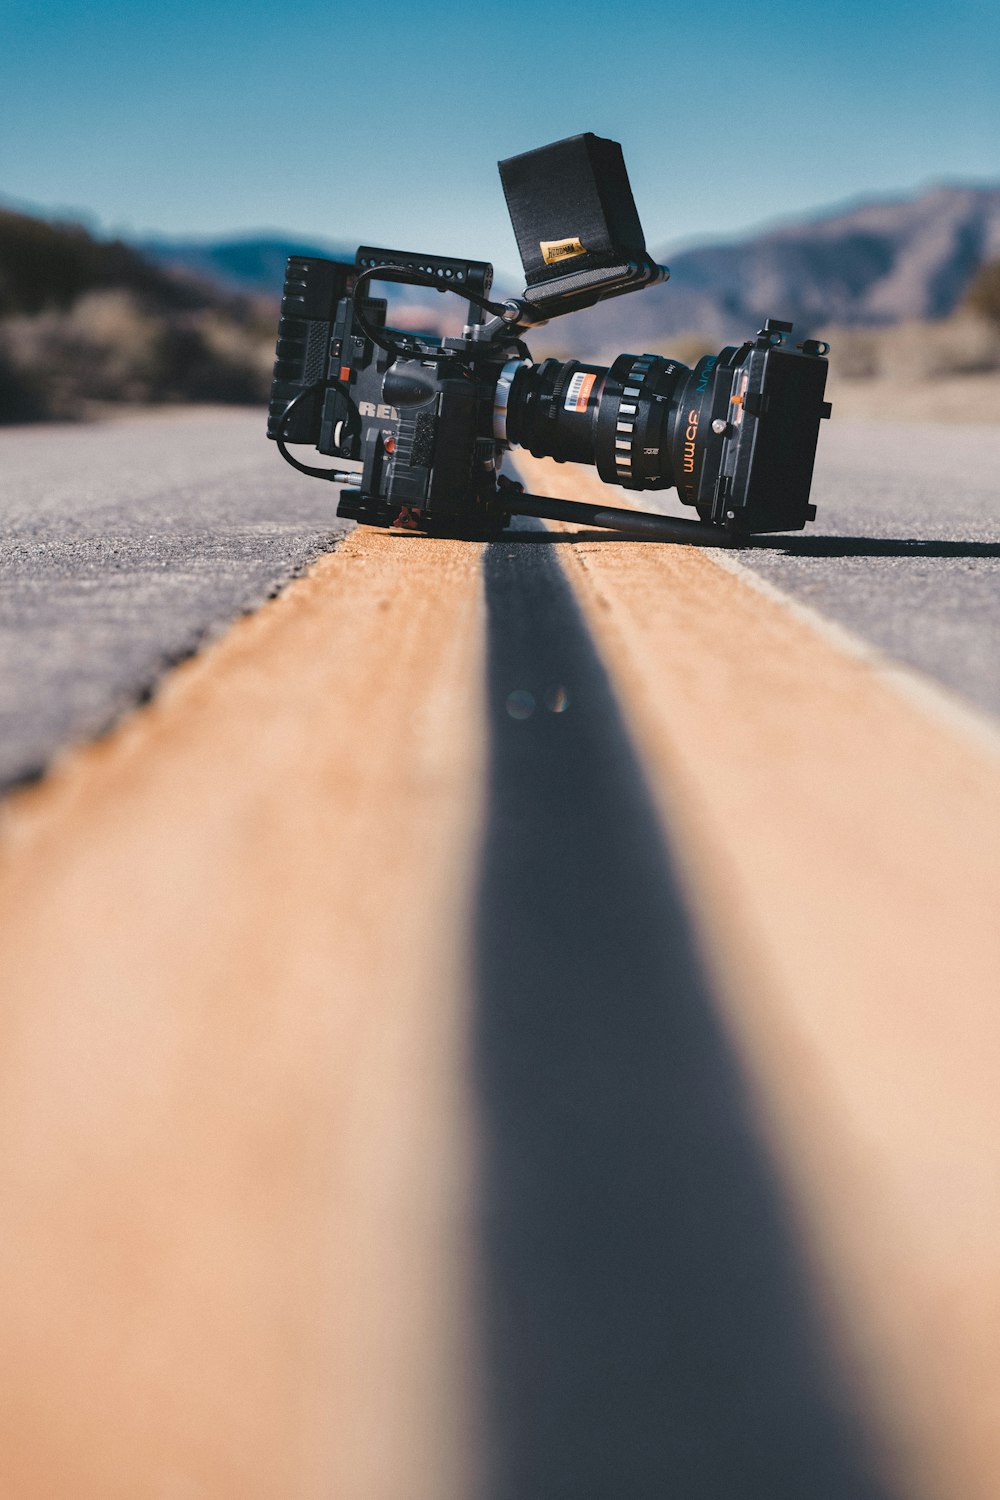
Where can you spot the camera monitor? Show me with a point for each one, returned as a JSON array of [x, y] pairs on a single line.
[[577, 228]]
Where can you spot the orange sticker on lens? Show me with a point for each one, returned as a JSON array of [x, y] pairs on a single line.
[[579, 389]]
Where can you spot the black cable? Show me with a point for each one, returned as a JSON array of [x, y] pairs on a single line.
[[402, 275], [310, 390]]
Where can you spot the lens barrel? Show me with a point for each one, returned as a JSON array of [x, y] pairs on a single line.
[[736, 435], [619, 419]]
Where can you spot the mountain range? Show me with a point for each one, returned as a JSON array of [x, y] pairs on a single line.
[[880, 262], [252, 263]]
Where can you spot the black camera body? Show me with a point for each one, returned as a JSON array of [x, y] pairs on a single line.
[[419, 426], [429, 419]]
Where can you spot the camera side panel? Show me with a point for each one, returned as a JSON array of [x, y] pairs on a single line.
[[766, 473], [777, 496], [313, 288]]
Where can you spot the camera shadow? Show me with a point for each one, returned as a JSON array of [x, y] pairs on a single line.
[[790, 546], [648, 1326], [870, 546]]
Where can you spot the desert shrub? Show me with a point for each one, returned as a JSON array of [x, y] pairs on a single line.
[[687, 348], [22, 397], [962, 345], [854, 351], [103, 349], [42, 265], [205, 360], [913, 352], [110, 348], [982, 298], [45, 265], [85, 322]]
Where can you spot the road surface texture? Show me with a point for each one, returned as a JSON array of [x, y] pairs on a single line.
[[904, 551], [504, 1021], [907, 549], [122, 546]]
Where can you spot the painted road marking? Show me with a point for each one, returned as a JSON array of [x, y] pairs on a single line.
[[234, 1127], [844, 851], [240, 940]]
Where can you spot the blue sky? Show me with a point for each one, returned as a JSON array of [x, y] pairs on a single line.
[[384, 123]]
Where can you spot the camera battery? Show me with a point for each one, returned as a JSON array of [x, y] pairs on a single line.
[[313, 288]]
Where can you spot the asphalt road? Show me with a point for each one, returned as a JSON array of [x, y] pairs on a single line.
[[122, 546], [638, 1259], [905, 549], [125, 544], [514, 973], [369, 1098]]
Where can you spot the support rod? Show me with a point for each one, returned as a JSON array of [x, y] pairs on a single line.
[[639, 522]]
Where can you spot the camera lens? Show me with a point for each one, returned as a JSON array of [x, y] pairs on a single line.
[[626, 419], [736, 435]]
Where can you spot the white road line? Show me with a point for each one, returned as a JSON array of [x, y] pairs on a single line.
[[945, 708]]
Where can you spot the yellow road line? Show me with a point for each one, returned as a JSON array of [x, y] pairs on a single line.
[[844, 852], [233, 1128], [235, 1135]]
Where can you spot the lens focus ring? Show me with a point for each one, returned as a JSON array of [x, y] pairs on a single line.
[[627, 417], [615, 418]]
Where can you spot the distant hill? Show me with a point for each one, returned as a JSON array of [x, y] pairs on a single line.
[[254, 264], [48, 265], [880, 263], [87, 323]]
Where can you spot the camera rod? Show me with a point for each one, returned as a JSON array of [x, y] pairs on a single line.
[[614, 518]]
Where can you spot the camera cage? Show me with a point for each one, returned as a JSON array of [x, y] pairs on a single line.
[[580, 242]]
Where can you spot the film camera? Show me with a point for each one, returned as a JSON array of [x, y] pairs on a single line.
[[428, 419]]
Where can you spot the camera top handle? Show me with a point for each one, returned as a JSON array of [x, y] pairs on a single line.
[[504, 313]]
